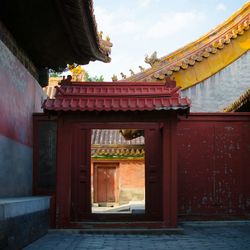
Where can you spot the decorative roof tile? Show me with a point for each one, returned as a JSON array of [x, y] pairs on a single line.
[[237, 104], [136, 152], [109, 96]]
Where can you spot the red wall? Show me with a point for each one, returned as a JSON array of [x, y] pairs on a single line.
[[214, 165], [20, 96]]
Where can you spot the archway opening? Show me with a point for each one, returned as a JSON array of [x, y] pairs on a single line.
[[117, 172]]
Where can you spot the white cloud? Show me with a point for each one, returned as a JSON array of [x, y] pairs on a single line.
[[172, 23], [145, 3], [221, 7], [116, 22]]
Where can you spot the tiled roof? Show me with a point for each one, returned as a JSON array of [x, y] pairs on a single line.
[[204, 57], [109, 96], [112, 137], [136, 152], [110, 144], [243, 99]]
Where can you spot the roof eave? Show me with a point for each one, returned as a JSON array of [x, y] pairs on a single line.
[[78, 33]]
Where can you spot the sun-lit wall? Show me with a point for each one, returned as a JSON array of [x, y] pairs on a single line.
[[130, 179]]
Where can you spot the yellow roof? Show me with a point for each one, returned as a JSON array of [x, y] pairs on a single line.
[[204, 57], [243, 99]]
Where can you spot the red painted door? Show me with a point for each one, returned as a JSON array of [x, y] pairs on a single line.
[[105, 184], [153, 182], [81, 197]]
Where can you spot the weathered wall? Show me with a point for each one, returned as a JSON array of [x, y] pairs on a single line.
[[132, 181], [21, 95], [221, 89], [214, 166]]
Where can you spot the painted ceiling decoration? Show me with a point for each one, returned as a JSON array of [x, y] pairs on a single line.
[[202, 58]]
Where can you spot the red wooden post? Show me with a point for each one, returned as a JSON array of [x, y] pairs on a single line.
[[153, 172], [170, 173], [63, 187]]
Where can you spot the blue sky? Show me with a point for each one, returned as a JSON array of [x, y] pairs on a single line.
[[140, 27]]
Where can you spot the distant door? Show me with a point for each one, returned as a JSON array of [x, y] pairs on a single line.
[[105, 183]]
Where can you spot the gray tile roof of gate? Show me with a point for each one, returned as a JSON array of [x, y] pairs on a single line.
[[112, 137]]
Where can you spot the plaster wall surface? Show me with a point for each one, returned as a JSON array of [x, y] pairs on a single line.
[[130, 180], [20, 96], [221, 89], [15, 168]]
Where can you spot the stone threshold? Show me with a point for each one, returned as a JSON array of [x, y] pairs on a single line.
[[149, 231]]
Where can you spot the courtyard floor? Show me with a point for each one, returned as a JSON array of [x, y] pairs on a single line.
[[196, 235]]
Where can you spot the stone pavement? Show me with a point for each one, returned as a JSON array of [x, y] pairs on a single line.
[[208, 235]]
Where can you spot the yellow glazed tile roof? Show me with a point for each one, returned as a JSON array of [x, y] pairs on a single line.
[[204, 57], [243, 99], [116, 152]]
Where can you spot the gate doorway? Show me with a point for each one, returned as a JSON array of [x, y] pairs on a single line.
[[117, 172], [107, 188], [77, 109]]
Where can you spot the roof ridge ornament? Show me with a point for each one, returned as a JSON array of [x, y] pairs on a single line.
[[141, 68], [123, 75], [114, 78], [170, 83], [66, 81], [152, 60], [132, 72]]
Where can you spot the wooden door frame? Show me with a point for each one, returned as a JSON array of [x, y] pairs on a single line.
[[95, 185], [150, 208], [66, 127]]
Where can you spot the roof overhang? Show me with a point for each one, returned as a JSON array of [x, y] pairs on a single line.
[[55, 33]]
